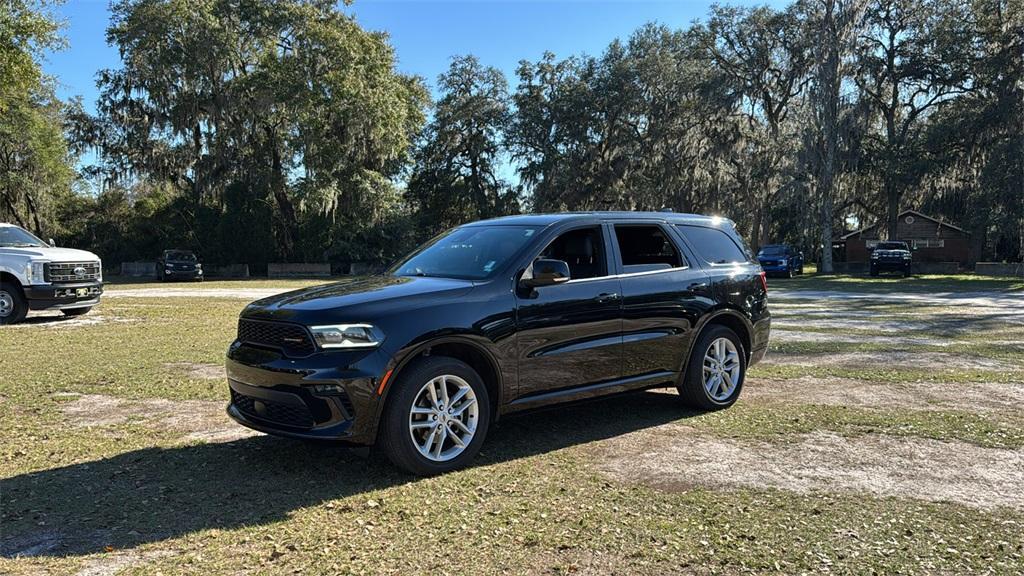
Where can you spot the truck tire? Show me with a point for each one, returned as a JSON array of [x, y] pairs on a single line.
[[13, 306]]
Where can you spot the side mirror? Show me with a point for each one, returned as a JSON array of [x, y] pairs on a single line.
[[547, 273], [53, 244]]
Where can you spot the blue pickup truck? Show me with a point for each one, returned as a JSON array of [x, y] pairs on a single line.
[[781, 259]]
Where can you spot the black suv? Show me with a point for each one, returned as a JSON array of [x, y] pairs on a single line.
[[180, 264], [891, 256], [499, 316]]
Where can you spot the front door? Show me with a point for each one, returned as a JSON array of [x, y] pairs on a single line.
[[571, 334]]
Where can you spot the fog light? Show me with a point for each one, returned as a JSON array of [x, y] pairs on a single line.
[[328, 390]]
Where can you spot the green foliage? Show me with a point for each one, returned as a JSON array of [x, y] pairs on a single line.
[[287, 115], [256, 132], [455, 178], [35, 165]]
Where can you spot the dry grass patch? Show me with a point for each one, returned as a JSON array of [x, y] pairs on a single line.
[[1005, 399], [195, 419], [891, 359], [676, 457]]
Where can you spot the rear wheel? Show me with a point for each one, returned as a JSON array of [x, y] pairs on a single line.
[[76, 311], [436, 418], [874, 271], [13, 307], [714, 375], [906, 272]]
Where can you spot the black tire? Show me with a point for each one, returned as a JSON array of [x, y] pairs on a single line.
[[800, 269], [395, 439], [76, 311], [906, 272], [16, 307], [691, 390], [874, 271], [789, 271]]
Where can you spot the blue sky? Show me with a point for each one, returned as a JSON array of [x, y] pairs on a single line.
[[425, 34]]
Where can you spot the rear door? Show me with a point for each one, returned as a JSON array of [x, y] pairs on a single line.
[[663, 297]]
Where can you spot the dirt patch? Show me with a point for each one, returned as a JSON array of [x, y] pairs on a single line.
[[198, 370], [1004, 398], [802, 336], [891, 359], [56, 320], [677, 457], [196, 419], [112, 563]]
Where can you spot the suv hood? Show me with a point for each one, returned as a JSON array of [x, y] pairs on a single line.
[[344, 301], [51, 254]]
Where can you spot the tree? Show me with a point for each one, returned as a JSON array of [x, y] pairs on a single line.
[[290, 102], [834, 24], [35, 164], [765, 54], [456, 177], [902, 76]]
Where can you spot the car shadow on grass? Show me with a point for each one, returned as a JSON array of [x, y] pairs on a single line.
[[155, 494]]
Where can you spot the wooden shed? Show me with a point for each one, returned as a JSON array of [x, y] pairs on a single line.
[[932, 240]]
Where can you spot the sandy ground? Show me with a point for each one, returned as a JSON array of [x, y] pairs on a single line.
[[675, 457], [195, 419]]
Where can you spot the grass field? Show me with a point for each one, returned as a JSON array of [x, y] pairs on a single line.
[[880, 436]]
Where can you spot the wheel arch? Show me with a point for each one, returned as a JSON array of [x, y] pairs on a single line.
[[9, 278], [463, 348], [730, 318]]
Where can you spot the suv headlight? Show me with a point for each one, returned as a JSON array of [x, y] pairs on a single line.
[[35, 272], [347, 336]]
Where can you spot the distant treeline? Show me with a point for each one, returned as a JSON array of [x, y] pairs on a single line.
[[255, 132]]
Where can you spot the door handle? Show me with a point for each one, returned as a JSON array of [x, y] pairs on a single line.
[[697, 286], [607, 296]]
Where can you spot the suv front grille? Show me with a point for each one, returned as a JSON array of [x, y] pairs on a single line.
[[69, 271], [283, 414], [292, 339]]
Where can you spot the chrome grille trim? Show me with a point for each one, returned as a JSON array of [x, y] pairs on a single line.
[[65, 271]]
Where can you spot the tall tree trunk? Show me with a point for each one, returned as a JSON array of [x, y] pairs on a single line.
[[827, 96], [287, 218]]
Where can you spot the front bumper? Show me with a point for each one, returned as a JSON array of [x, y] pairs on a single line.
[[772, 266], [883, 265], [61, 296], [183, 274], [329, 395]]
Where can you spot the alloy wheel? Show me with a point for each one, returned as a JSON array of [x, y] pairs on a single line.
[[721, 369], [443, 418]]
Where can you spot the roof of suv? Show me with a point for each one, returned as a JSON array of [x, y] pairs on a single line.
[[548, 219]]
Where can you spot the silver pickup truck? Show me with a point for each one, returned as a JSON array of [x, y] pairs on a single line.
[[35, 275]]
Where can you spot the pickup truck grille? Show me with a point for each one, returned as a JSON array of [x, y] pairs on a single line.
[[292, 339], [56, 272]]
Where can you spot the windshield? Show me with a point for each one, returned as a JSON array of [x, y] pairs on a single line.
[[772, 251], [14, 237], [891, 246], [469, 253], [178, 256]]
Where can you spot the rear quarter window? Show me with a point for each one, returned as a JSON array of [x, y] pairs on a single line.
[[714, 245]]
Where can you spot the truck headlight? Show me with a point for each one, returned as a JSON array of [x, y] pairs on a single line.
[[35, 272], [347, 336]]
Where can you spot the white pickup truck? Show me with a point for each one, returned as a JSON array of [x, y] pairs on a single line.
[[35, 275]]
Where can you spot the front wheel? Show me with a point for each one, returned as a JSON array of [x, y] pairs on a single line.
[[715, 372], [13, 307], [436, 418], [76, 311]]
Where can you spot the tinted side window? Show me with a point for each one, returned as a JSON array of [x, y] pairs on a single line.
[[582, 250], [713, 245], [645, 248]]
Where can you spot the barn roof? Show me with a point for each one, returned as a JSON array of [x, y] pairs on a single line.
[[901, 215]]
